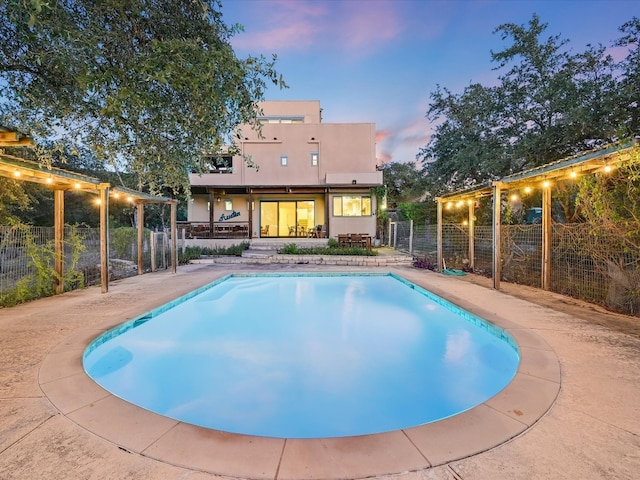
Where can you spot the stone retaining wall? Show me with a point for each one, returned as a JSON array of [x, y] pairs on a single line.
[[345, 260]]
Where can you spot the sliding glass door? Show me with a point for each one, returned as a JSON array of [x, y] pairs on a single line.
[[287, 218]]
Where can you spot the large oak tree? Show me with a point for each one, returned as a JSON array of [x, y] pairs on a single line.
[[549, 103], [148, 85]]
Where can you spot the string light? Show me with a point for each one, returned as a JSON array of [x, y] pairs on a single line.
[[449, 205], [527, 189], [607, 168], [77, 185], [514, 197], [545, 184], [49, 180], [16, 173], [573, 174]]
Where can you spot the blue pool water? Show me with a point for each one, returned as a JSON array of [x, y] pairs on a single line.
[[305, 356]]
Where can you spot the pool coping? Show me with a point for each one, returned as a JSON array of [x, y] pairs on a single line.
[[508, 414]]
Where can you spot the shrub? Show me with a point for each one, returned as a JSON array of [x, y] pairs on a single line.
[[293, 249]]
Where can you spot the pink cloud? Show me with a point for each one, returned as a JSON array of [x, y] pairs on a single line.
[[282, 25], [367, 24], [403, 142]]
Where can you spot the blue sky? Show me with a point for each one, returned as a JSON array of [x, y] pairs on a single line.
[[377, 61]]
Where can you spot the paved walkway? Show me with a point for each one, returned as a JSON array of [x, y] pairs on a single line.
[[591, 431]]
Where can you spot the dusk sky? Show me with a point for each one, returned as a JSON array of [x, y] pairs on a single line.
[[377, 61]]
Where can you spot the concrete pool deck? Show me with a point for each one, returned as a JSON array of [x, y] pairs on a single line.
[[572, 412]]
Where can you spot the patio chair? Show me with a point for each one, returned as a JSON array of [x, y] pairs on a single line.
[[356, 240]]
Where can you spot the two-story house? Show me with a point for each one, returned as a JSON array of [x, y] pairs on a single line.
[[298, 178]]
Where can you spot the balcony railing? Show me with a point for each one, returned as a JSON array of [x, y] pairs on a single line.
[[220, 229]]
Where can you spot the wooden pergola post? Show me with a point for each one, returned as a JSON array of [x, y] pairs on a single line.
[[497, 204], [58, 229], [174, 235], [439, 236], [545, 281], [104, 237], [472, 220], [140, 222]]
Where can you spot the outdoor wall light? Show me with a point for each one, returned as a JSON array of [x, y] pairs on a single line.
[[218, 199]]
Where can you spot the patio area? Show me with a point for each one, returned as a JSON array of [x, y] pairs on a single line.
[[582, 421]]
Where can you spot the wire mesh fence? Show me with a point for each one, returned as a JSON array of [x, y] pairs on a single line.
[[27, 256], [595, 268]]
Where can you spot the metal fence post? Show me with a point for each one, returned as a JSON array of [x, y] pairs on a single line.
[[410, 237]]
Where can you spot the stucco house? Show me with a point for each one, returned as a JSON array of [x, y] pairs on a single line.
[[298, 178]]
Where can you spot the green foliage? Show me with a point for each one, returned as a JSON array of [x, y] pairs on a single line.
[[232, 250], [148, 85], [333, 243], [189, 253], [14, 200], [549, 104], [122, 240], [330, 249], [610, 203], [195, 252], [403, 182], [42, 257], [289, 249]]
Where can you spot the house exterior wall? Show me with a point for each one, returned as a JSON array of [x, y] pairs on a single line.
[[322, 161]]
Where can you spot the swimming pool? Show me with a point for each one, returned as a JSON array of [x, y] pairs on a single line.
[[305, 356]]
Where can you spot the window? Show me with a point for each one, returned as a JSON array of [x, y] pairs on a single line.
[[219, 164], [351, 206], [314, 159], [228, 205], [281, 119], [284, 160]]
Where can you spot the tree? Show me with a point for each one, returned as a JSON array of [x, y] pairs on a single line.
[[403, 182], [610, 204], [593, 117], [630, 79], [148, 85], [539, 89], [548, 105], [466, 148], [13, 200]]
